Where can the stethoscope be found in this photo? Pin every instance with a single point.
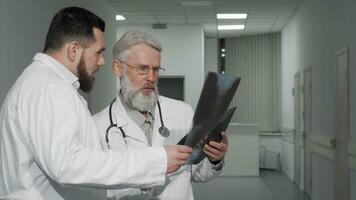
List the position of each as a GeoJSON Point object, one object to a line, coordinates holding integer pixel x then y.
{"type": "Point", "coordinates": [162, 130]}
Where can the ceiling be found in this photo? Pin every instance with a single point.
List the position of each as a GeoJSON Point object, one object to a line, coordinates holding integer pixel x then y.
{"type": "Point", "coordinates": [264, 16]}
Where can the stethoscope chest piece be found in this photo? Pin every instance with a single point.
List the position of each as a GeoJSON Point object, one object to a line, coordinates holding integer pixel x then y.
{"type": "Point", "coordinates": [163, 131]}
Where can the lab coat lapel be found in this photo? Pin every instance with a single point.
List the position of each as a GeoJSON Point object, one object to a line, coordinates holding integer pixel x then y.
{"type": "Point", "coordinates": [129, 126]}
{"type": "Point", "coordinates": [157, 138]}
{"type": "Point", "coordinates": [119, 114]}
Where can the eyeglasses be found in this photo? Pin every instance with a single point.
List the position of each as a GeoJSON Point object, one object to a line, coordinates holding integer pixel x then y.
{"type": "Point", "coordinates": [144, 69]}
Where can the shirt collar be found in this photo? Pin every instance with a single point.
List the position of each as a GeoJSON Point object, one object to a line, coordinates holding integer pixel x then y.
{"type": "Point", "coordinates": [58, 68]}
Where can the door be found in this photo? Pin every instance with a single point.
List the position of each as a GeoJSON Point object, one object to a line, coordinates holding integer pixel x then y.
{"type": "Point", "coordinates": [296, 93]}
{"type": "Point", "coordinates": [307, 130]}
{"type": "Point", "coordinates": [342, 126]}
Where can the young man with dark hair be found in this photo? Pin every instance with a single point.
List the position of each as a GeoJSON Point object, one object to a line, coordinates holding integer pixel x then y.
{"type": "Point", "coordinates": [49, 145]}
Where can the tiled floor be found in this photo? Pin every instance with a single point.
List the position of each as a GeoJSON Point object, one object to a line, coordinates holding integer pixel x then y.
{"type": "Point", "coordinates": [281, 187]}
{"type": "Point", "coordinates": [271, 185]}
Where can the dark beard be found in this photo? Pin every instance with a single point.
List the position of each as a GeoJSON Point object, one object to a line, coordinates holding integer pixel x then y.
{"type": "Point", "coordinates": [85, 80]}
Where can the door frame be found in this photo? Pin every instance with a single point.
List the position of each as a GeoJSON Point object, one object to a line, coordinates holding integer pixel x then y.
{"type": "Point", "coordinates": [341, 168]}
{"type": "Point", "coordinates": [307, 142]}
{"type": "Point", "coordinates": [297, 127]}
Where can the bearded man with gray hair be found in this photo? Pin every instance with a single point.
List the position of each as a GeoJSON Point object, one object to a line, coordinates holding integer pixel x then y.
{"type": "Point", "coordinates": [140, 118]}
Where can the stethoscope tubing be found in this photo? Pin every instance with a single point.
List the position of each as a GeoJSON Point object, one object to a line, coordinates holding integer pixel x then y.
{"type": "Point", "coordinates": [165, 133]}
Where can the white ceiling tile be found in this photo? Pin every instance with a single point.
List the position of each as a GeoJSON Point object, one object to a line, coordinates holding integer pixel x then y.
{"type": "Point", "coordinates": [262, 20]}
{"type": "Point", "coordinates": [263, 15]}
{"type": "Point", "coordinates": [258, 29]}
{"type": "Point", "coordinates": [230, 9]}
{"type": "Point", "coordinates": [199, 20]}
{"type": "Point", "coordinates": [138, 19]}
{"type": "Point", "coordinates": [259, 24]}
{"type": "Point", "coordinates": [172, 19]}
{"type": "Point", "coordinates": [201, 13]}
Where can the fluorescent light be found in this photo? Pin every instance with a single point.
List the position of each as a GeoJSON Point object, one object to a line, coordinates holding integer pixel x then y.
{"type": "Point", "coordinates": [232, 16]}
{"type": "Point", "coordinates": [196, 3]}
{"type": "Point", "coordinates": [231, 27]}
{"type": "Point", "coordinates": [120, 18]}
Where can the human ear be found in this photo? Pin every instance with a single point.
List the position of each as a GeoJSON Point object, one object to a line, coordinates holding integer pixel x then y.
{"type": "Point", "coordinates": [117, 68]}
{"type": "Point", "coordinates": [74, 51]}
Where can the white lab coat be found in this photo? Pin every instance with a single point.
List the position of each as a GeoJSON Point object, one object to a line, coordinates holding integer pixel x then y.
{"type": "Point", "coordinates": [50, 147]}
{"type": "Point", "coordinates": [177, 117]}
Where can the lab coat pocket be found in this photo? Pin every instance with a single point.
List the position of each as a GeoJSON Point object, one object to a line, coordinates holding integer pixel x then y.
{"type": "Point", "coordinates": [116, 141]}
{"type": "Point", "coordinates": [179, 186]}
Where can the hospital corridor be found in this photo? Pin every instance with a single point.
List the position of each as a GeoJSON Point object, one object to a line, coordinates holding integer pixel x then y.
{"type": "Point", "coordinates": [291, 137]}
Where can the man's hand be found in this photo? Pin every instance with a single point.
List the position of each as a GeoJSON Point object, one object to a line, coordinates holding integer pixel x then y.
{"type": "Point", "coordinates": [216, 151]}
{"type": "Point", "coordinates": [177, 156]}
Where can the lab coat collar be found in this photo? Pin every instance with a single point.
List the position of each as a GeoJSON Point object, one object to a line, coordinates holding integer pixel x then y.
{"type": "Point", "coordinates": [120, 117]}
{"type": "Point", "coordinates": [58, 68]}
{"type": "Point", "coordinates": [122, 120]}
{"type": "Point", "coordinates": [166, 111]}
{"type": "Point", "coordinates": [119, 113]}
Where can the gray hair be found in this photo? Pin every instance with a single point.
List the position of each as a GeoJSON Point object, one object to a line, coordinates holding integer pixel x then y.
{"type": "Point", "coordinates": [132, 38]}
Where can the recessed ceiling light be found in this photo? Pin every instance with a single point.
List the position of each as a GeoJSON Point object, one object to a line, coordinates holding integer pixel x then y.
{"type": "Point", "coordinates": [232, 16]}
{"type": "Point", "coordinates": [231, 27]}
{"type": "Point", "coordinates": [120, 18]}
{"type": "Point", "coordinates": [196, 3]}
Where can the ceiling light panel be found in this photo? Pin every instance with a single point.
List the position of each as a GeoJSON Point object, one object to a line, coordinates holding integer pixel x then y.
{"type": "Point", "coordinates": [120, 18]}
{"type": "Point", "coordinates": [231, 27]}
{"type": "Point", "coordinates": [231, 16]}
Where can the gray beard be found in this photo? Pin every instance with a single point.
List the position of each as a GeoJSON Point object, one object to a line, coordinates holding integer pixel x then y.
{"type": "Point", "coordinates": [135, 98]}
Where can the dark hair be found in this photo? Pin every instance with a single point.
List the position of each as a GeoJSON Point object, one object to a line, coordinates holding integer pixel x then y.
{"type": "Point", "coordinates": [72, 23]}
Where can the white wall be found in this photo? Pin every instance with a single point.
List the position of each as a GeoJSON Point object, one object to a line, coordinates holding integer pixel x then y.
{"type": "Point", "coordinates": [315, 33]}
{"type": "Point", "coordinates": [243, 155]}
{"type": "Point", "coordinates": [350, 31]}
{"type": "Point", "coordinates": [353, 183]}
{"type": "Point", "coordinates": [289, 65]}
{"type": "Point", "coordinates": [271, 142]}
{"type": "Point", "coordinates": [211, 54]}
{"type": "Point", "coordinates": [350, 13]}
{"type": "Point", "coordinates": [182, 55]}
{"type": "Point", "coordinates": [309, 39]}
{"type": "Point", "coordinates": [287, 157]}
{"type": "Point", "coordinates": [24, 25]}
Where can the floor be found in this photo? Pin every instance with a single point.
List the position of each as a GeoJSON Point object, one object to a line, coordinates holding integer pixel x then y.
{"type": "Point", "coordinates": [271, 185]}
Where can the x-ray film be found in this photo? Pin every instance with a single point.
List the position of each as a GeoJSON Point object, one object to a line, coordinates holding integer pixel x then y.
{"type": "Point", "coordinates": [216, 95]}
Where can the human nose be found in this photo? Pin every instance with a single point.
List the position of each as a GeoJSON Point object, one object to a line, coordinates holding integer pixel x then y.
{"type": "Point", "coordinates": [151, 75]}
{"type": "Point", "coordinates": [101, 60]}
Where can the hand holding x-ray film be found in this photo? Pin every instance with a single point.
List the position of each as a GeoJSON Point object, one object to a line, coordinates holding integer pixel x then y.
{"type": "Point", "coordinates": [210, 115]}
